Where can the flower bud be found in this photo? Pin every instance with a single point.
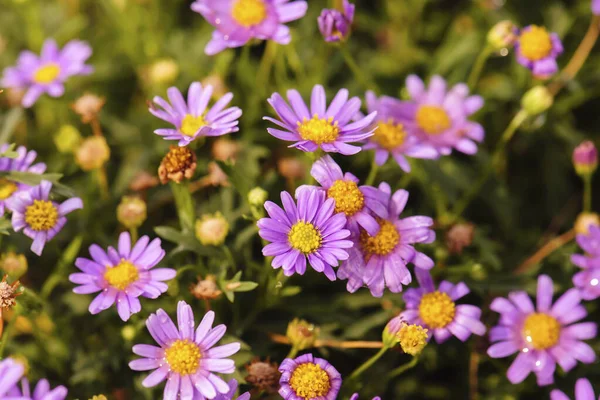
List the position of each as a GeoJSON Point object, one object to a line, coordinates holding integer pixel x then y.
{"type": "Point", "coordinates": [163, 71]}
{"type": "Point", "coordinates": [92, 153]}
{"type": "Point", "coordinates": [206, 289]}
{"type": "Point", "coordinates": [131, 212]}
{"type": "Point", "coordinates": [502, 35]}
{"type": "Point", "coordinates": [302, 335]}
{"type": "Point", "coordinates": [67, 139]}
{"type": "Point", "coordinates": [459, 236]}
{"type": "Point", "coordinates": [212, 229]}
{"type": "Point", "coordinates": [585, 158]}
{"type": "Point", "coordinates": [128, 333]}
{"type": "Point", "coordinates": [537, 100]}
{"type": "Point", "coordinates": [413, 338]}
{"type": "Point", "coordinates": [584, 221]}
{"type": "Point", "coordinates": [335, 24]}
{"type": "Point", "coordinates": [99, 397]}
{"type": "Point", "coordinates": [179, 163]}
{"type": "Point", "coordinates": [389, 337]}
{"type": "Point", "coordinates": [257, 196]}
{"type": "Point", "coordinates": [88, 106]}
{"type": "Point", "coordinates": [13, 264]}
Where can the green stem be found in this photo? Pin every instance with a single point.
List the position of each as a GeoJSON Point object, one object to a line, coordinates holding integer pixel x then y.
{"type": "Point", "coordinates": [365, 80]}
{"type": "Point", "coordinates": [229, 256]}
{"type": "Point", "coordinates": [184, 204]}
{"type": "Point", "coordinates": [463, 203]}
{"type": "Point", "coordinates": [292, 353]}
{"type": "Point", "coordinates": [478, 66]}
{"type": "Point", "coordinates": [367, 364]}
{"type": "Point", "coordinates": [403, 368]}
{"type": "Point", "coordinates": [266, 65]}
{"type": "Point", "coordinates": [372, 173]}
{"type": "Point", "coordinates": [133, 232]}
{"type": "Point", "coordinates": [9, 329]}
{"type": "Point", "coordinates": [587, 193]}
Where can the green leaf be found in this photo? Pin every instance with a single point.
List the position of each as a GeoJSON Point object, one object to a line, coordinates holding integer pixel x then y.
{"type": "Point", "coordinates": [10, 151]}
{"type": "Point", "coordinates": [32, 179]}
{"type": "Point", "coordinates": [289, 291]}
{"type": "Point", "coordinates": [184, 204]}
{"type": "Point", "coordinates": [245, 286]}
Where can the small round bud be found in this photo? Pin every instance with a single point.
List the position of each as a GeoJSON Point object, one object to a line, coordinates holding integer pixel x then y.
{"type": "Point", "coordinates": [459, 236]}
{"type": "Point", "coordinates": [413, 338]}
{"type": "Point", "coordinates": [67, 139]}
{"type": "Point", "coordinates": [502, 35]}
{"type": "Point", "coordinates": [14, 265]}
{"type": "Point", "coordinates": [585, 158]}
{"type": "Point", "coordinates": [206, 289]}
{"type": "Point", "coordinates": [302, 335]}
{"type": "Point", "coordinates": [92, 153]}
{"type": "Point", "coordinates": [88, 107]}
{"type": "Point", "coordinates": [131, 212]}
{"type": "Point", "coordinates": [584, 221]}
{"type": "Point", "coordinates": [128, 333]}
{"type": "Point", "coordinates": [179, 163]}
{"type": "Point", "coordinates": [163, 71]}
{"type": "Point", "coordinates": [212, 229]}
{"type": "Point", "coordinates": [263, 375]}
{"type": "Point", "coordinates": [537, 100]}
{"type": "Point", "coordinates": [257, 196]}
{"type": "Point", "coordinates": [225, 149]}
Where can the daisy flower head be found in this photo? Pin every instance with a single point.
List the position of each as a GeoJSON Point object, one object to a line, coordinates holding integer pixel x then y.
{"type": "Point", "coordinates": [24, 162]}
{"type": "Point", "coordinates": [40, 218]}
{"type": "Point", "coordinates": [10, 373]}
{"type": "Point", "coordinates": [327, 128]}
{"type": "Point", "coordinates": [47, 72]}
{"type": "Point", "coordinates": [583, 391]}
{"type": "Point", "coordinates": [360, 204]}
{"type": "Point", "coordinates": [381, 261]}
{"type": "Point", "coordinates": [236, 22]}
{"type": "Point", "coordinates": [439, 117]}
{"type": "Point", "coordinates": [392, 136]}
{"type": "Point", "coordinates": [122, 275]}
{"type": "Point", "coordinates": [588, 280]}
{"type": "Point", "coordinates": [42, 391]}
{"type": "Point", "coordinates": [310, 230]}
{"type": "Point", "coordinates": [543, 335]}
{"type": "Point", "coordinates": [307, 377]}
{"type": "Point", "coordinates": [335, 24]}
{"type": "Point", "coordinates": [436, 309]}
{"type": "Point", "coordinates": [194, 119]}
{"type": "Point", "coordinates": [537, 49]}
{"type": "Point", "coordinates": [187, 359]}
{"type": "Point", "coordinates": [233, 386]}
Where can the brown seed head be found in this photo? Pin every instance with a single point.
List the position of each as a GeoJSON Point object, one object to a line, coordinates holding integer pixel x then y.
{"type": "Point", "coordinates": [179, 163]}
{"type": "Point", "coordinates": [263, 375]}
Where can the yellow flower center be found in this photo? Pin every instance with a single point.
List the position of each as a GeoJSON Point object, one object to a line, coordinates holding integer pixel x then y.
{"type": "Point", "coordinates": [310, 381]}
{"type": "Point", "coordinates": [389, 135]}
{"type": "Point", "coordinates": [190, 124]}
{"type": "Point", "coordinates": [183, 357]}
{"type": "Point", "coordinates": [413, 338]}
{"type": "Point", "coordinates": [381, 244]}
{"type": "Point", "coordinates": [249, 12]}
{"type": "Point", "coordinates": [41, 215]}
{"type": "Point", "coordinates": [7, 188]}
{"type": "Point", "coordinates": [121, 275]}
{"type": "Point", "coordinates": [348, 197]}
{"type": "Point", "coordinates": [541, 331]}
{"type": "Point", "coordinates": [535, 43]}
{"type": "Point", "coordinates": [47, 73]}
{"type": "Point", "coordinates": [304, 237]}
{"type": "Point", "coordinates": [433, 119]}
{"type": "Point", "coordinates": [319, 130]}
{"type": "Point", "coordinates": [436, 309]}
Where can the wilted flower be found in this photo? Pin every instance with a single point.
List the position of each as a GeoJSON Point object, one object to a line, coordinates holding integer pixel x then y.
{"type": "Point", "coordinates": [40, 218]}
{"type": "Point", "coordinates": [92, 153]}
{"type": "Point", "coordinates": [583, 387]}
{"type": "Point", "coordinates": [88, 107]}
{"type": "Point", "coordinates": [334, 24]}
{"type": "Point", "coordinates": [11, 372]}
{"type": "Point", "coordinates": [122, 275]}
{"type": "Point", "coordinates": [584, 221]}
{"type": "Point", "coordinates": [206, 288]}
{"type": "Point", "coordinates": [67, 139]}
{"type": "Point", "coordinates": [212, 229]}
{"type": "Point", "coordinates": [412, 338]}
{"type": "Point", "coordinates": [544, 335]}
{"type": "Point", "coordinates": [309, 230]}
{"type": "Point", "coordinates": [263, 375]}
{"type": "Point", "coordinates": [257, 196]}
{"type": "Point", "coordinates": [8, 293]}
{"type": "Point", "coordinates": [537, 100]}
{"type": "Point", "coordinates": [588, 280]}
{"type": "Point", "coordinates": [236, 22]}
{"type": "Point", "coordinates": [308, 377]}
{"type": "Point", "coordinates": [291, 168]}
{"type": "Point", "coordinates": [225, 149]}
{"type": "Point", "coordinates": [186, 359]}
{"type": "Point", "coordinates": [131, 212]}
{"type": "Point", "coordinates": [459, 236]}
{"type": "Point", "coordinates": [326, 128]}
{"type": "Point", "coordinates": [194, 119]}
{"type": "Point", "coordinates": [42, 391]}
{"type": "Point", "coordinates": [585, 158]}
{"type": "Point", "coordinates": [502, 35]}
{"type": "Point", "coordinates": [143, 180]}
{"type": "Point", "coordinates": [162, 71]}
{"type": "Point", "coordinates": [537, 49]}
{"type": "Point", "coordinates": [13, 264]}
{"type": "Point", "coordinates": [302, 335]}
{"type": "Point", "coordinates": [179, 163]}
{"type": "Point", "coordinates": [48, 72]}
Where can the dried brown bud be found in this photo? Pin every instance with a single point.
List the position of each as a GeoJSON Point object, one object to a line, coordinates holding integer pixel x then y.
{"type": "Point", "coordinates": [143, 181]}
{"type": "Point", "coordinates": [224, 149]}
{"type": "Point", "coordinates": [459, 236]}
{"type": "Point", "coordinates": [206, 289]}
{"type": "Point", "coordinates": [88, 106]}
{"type": "Point", "coordinates": [263, 375]}
{"type": "Point", "coordinates": [179, 163]}
{"type": "Point", "coordinates": [291, 168]}
{"type": "Point", "coordinates": [8, 293]}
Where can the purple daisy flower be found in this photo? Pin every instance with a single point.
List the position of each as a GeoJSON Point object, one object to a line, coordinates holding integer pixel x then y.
{"type": "Point", "coordinates": [355, 397]}
{"type": "Point", "coordinates": [42, 391]}
{"type": "Point", "coordinates": [588, 280]}
{"type": "Point", "coordinates": [186, 359]}
{"type": "Point", "coordinates": [439, 117]}
{"type": "Point", "coordinates": [10, 373]}
{"type": "Point", "coordinates": [239, 21]}
{"type": "Point", "coordinates": [328, 128]}
{"type": "Point", "coordinates": [233, 385]}
{"type": "Point", "coordinates": [358, 203]}
{"type": "Point", "coordinates": [537, 49]}
{"type": "Point", "coordinates": [310, 231]}
{"type": "Point", "coordinates": [436, 309]}
{"type": "Point", "coordinates": [544, 335]}
{"type": "Point", "coordinates": [40, 218]}
{"type": "Point", "coordinates": [596, 7]}
{"type": "Point", "coordinates": [122, 275]}
{"type": "Point", "coordinates": [379, 261]}
{"type": "Point", "coordinates": [583, 391]}
{"type": "Point", "coordinates": [48, 72]}
{"type": "Point", "coordinates": [334, 24]}
{"type": "Point", "coordinates": [391, 136]}
{"type": "Point", "coordinates": [193, 119]}
{"type": "Point", "coordinates": [22, 163]}
{"type": "Point", "coordinates": [308, 377]}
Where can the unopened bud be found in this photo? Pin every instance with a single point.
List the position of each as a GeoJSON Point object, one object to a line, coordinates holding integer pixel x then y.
{"type": "Point", "coordinates": [14, 265]}
{"type": "Point", "coordinates": [212, 229]}
{"type": "Point", "coordinates": [537, 100]}
{"type": "Point", "coordinates": [67, 139]}
{"type": "Point", "coordinates": [585, 158]}
{"type": "Point", "coordinates": [92, 153]}
{"type": "Point", "coordinates": [257, 196]}
{"type": "Point", "coordinates": [502, 35]}
{"type": "Point", "coordinates": [163, 71]}
{"type": "Point", "coordinates": [128, 333]}
{"type": "Point", "coordinates": [389, 337]}
{"type": "Point", "coordinates": [131, 212]}
{"type": "Point", "coordinates": [584, 221]}
{"type": "Point", "coordinates": [302, 335]}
